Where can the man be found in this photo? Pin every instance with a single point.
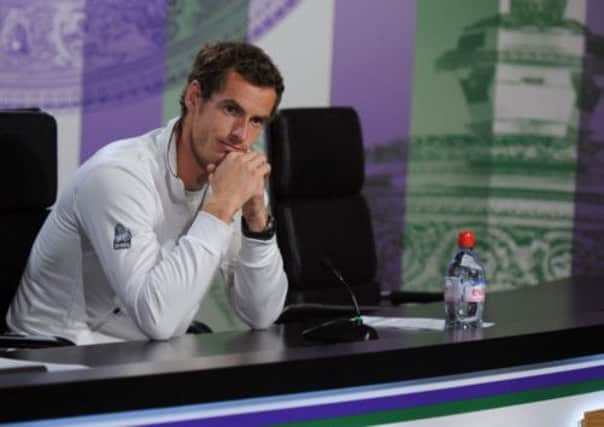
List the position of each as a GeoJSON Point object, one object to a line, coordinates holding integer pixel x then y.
{"type": "Point", "coordinates": [133, 243]}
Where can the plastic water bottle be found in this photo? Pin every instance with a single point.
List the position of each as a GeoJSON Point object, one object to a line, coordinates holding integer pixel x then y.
{"type": "Point", "coordinates": [465, 285]}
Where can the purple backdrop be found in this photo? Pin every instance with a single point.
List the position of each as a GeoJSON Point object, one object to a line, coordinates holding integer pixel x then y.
{"type": "Point", "coordinates": [588, 234]}
{"type": "Point", "coordinates": [373, 47]}
{"type": "Point", "coordinates": [124, 51]}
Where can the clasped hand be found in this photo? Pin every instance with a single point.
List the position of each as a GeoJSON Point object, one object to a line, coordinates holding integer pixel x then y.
{"type": "Point", "coordinates": [238, 183]}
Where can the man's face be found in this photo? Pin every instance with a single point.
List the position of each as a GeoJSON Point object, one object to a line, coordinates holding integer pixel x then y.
{"type": "Point", "coordinates": [230, 120]}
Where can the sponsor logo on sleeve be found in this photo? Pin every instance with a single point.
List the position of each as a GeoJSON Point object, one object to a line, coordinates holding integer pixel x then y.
{"type": "Point", "coordinates": [122, 237]}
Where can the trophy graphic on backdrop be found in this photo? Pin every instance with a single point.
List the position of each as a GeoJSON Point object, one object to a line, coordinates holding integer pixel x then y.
{"type": "Point", "coordinates": [522, 72]}
{"type": "Point", "coordinates": [528, 79]}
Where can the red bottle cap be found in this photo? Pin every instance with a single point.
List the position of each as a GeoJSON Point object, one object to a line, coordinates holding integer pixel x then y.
{"type": "Point", "coordinates": [465, 239]}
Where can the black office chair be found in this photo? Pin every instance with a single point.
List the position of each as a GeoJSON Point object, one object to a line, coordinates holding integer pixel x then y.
{"type": "Point", "coordinates": [323, 220]}
{"type": "Point", "coordinates": [28, 187]}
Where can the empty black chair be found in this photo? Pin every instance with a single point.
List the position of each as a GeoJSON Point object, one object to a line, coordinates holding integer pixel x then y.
{"type": "Point", "coordinates": [318, 171]}
{"type": "Point", "coordinates": [28, 188]}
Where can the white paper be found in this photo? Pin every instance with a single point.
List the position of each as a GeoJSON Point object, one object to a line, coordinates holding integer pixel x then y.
{"type": "Point", "coordinates": [413, 323]}
{"type": "Point", "coordinates": [9, 364]}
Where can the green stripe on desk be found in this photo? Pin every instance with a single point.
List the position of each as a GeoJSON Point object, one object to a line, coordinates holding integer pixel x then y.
{"type": "Point", "coordinates": [458, 407]}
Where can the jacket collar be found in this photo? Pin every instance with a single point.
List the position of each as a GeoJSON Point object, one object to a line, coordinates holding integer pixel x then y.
{"type": "Point", "coordinates": [167, 139]}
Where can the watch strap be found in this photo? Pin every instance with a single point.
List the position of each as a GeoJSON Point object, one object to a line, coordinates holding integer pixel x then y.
{"type": "Point", "coordinates": [266, 234]}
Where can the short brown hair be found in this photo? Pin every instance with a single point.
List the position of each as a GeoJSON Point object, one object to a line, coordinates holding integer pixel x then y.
{"type": "Point", "coordinates": [214, 61]}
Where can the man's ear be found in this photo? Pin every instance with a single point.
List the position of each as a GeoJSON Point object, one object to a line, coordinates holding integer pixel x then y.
{"type": "Point", "coordinates": [192, 95]}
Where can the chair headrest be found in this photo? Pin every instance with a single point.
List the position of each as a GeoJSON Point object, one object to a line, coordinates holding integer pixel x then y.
{"type": "Point", "coordinates": [315, 152]}
{"type": "Point", "coordinates": [28, 164]}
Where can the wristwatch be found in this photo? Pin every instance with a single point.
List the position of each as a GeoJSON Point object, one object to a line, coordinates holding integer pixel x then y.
{"type": "Point", "coordinates": [266, 234]}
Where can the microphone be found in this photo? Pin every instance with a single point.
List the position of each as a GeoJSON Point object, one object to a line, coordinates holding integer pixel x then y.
{"type": "Point", "coordinates": [341, 330]}
{"type": "Point", "coordinates": [326, 262]}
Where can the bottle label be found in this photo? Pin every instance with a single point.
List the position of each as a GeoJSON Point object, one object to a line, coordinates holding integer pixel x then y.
{"type": "Point", "coordinates": [476, 292]}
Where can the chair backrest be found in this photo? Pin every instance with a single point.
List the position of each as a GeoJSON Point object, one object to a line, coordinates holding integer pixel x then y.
{"type": "Point", "coordinates": [28, 187]}
{"type": "Point", "coordinates": [317, 161]}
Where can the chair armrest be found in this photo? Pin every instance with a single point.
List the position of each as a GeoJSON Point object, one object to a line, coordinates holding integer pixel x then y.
{"type": "Point", "coordinates": [197, 327]}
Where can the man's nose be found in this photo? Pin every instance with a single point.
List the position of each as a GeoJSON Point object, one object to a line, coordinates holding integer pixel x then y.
{"type": "Point", "coordinates": [239, 131]}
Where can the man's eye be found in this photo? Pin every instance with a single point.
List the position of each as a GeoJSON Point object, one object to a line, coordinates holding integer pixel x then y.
{"type": "Point", "coordinates": [258, 122]}
{"type": "Point", "coordinates": [230, 109]}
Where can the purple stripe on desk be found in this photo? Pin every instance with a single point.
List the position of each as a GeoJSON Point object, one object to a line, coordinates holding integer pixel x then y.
{"type": "Point", "coordinates": [403, 401]}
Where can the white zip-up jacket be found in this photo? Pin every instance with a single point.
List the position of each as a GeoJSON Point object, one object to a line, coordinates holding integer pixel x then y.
{"type": "Point", "coordinates": [127, 254]}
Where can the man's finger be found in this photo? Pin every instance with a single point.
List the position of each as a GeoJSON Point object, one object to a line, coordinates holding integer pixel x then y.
{"type": "Point", "coordinates": [210, 168]}
{"type": "Point", "coordinates": [258, 160]}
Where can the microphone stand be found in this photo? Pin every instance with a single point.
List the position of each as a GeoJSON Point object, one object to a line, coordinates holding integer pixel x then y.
{"type": "Point", "coordinates": [329, 266]}
{"type": "Point", "coordinates": [341, 330]}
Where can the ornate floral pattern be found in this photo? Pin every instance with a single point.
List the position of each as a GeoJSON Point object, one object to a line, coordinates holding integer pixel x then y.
{"type": "Point", "coordinates": [65, 53]}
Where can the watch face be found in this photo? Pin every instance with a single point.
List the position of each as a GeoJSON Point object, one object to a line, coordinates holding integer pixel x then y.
{"type": "Point", "coordinates": [270, 224]}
